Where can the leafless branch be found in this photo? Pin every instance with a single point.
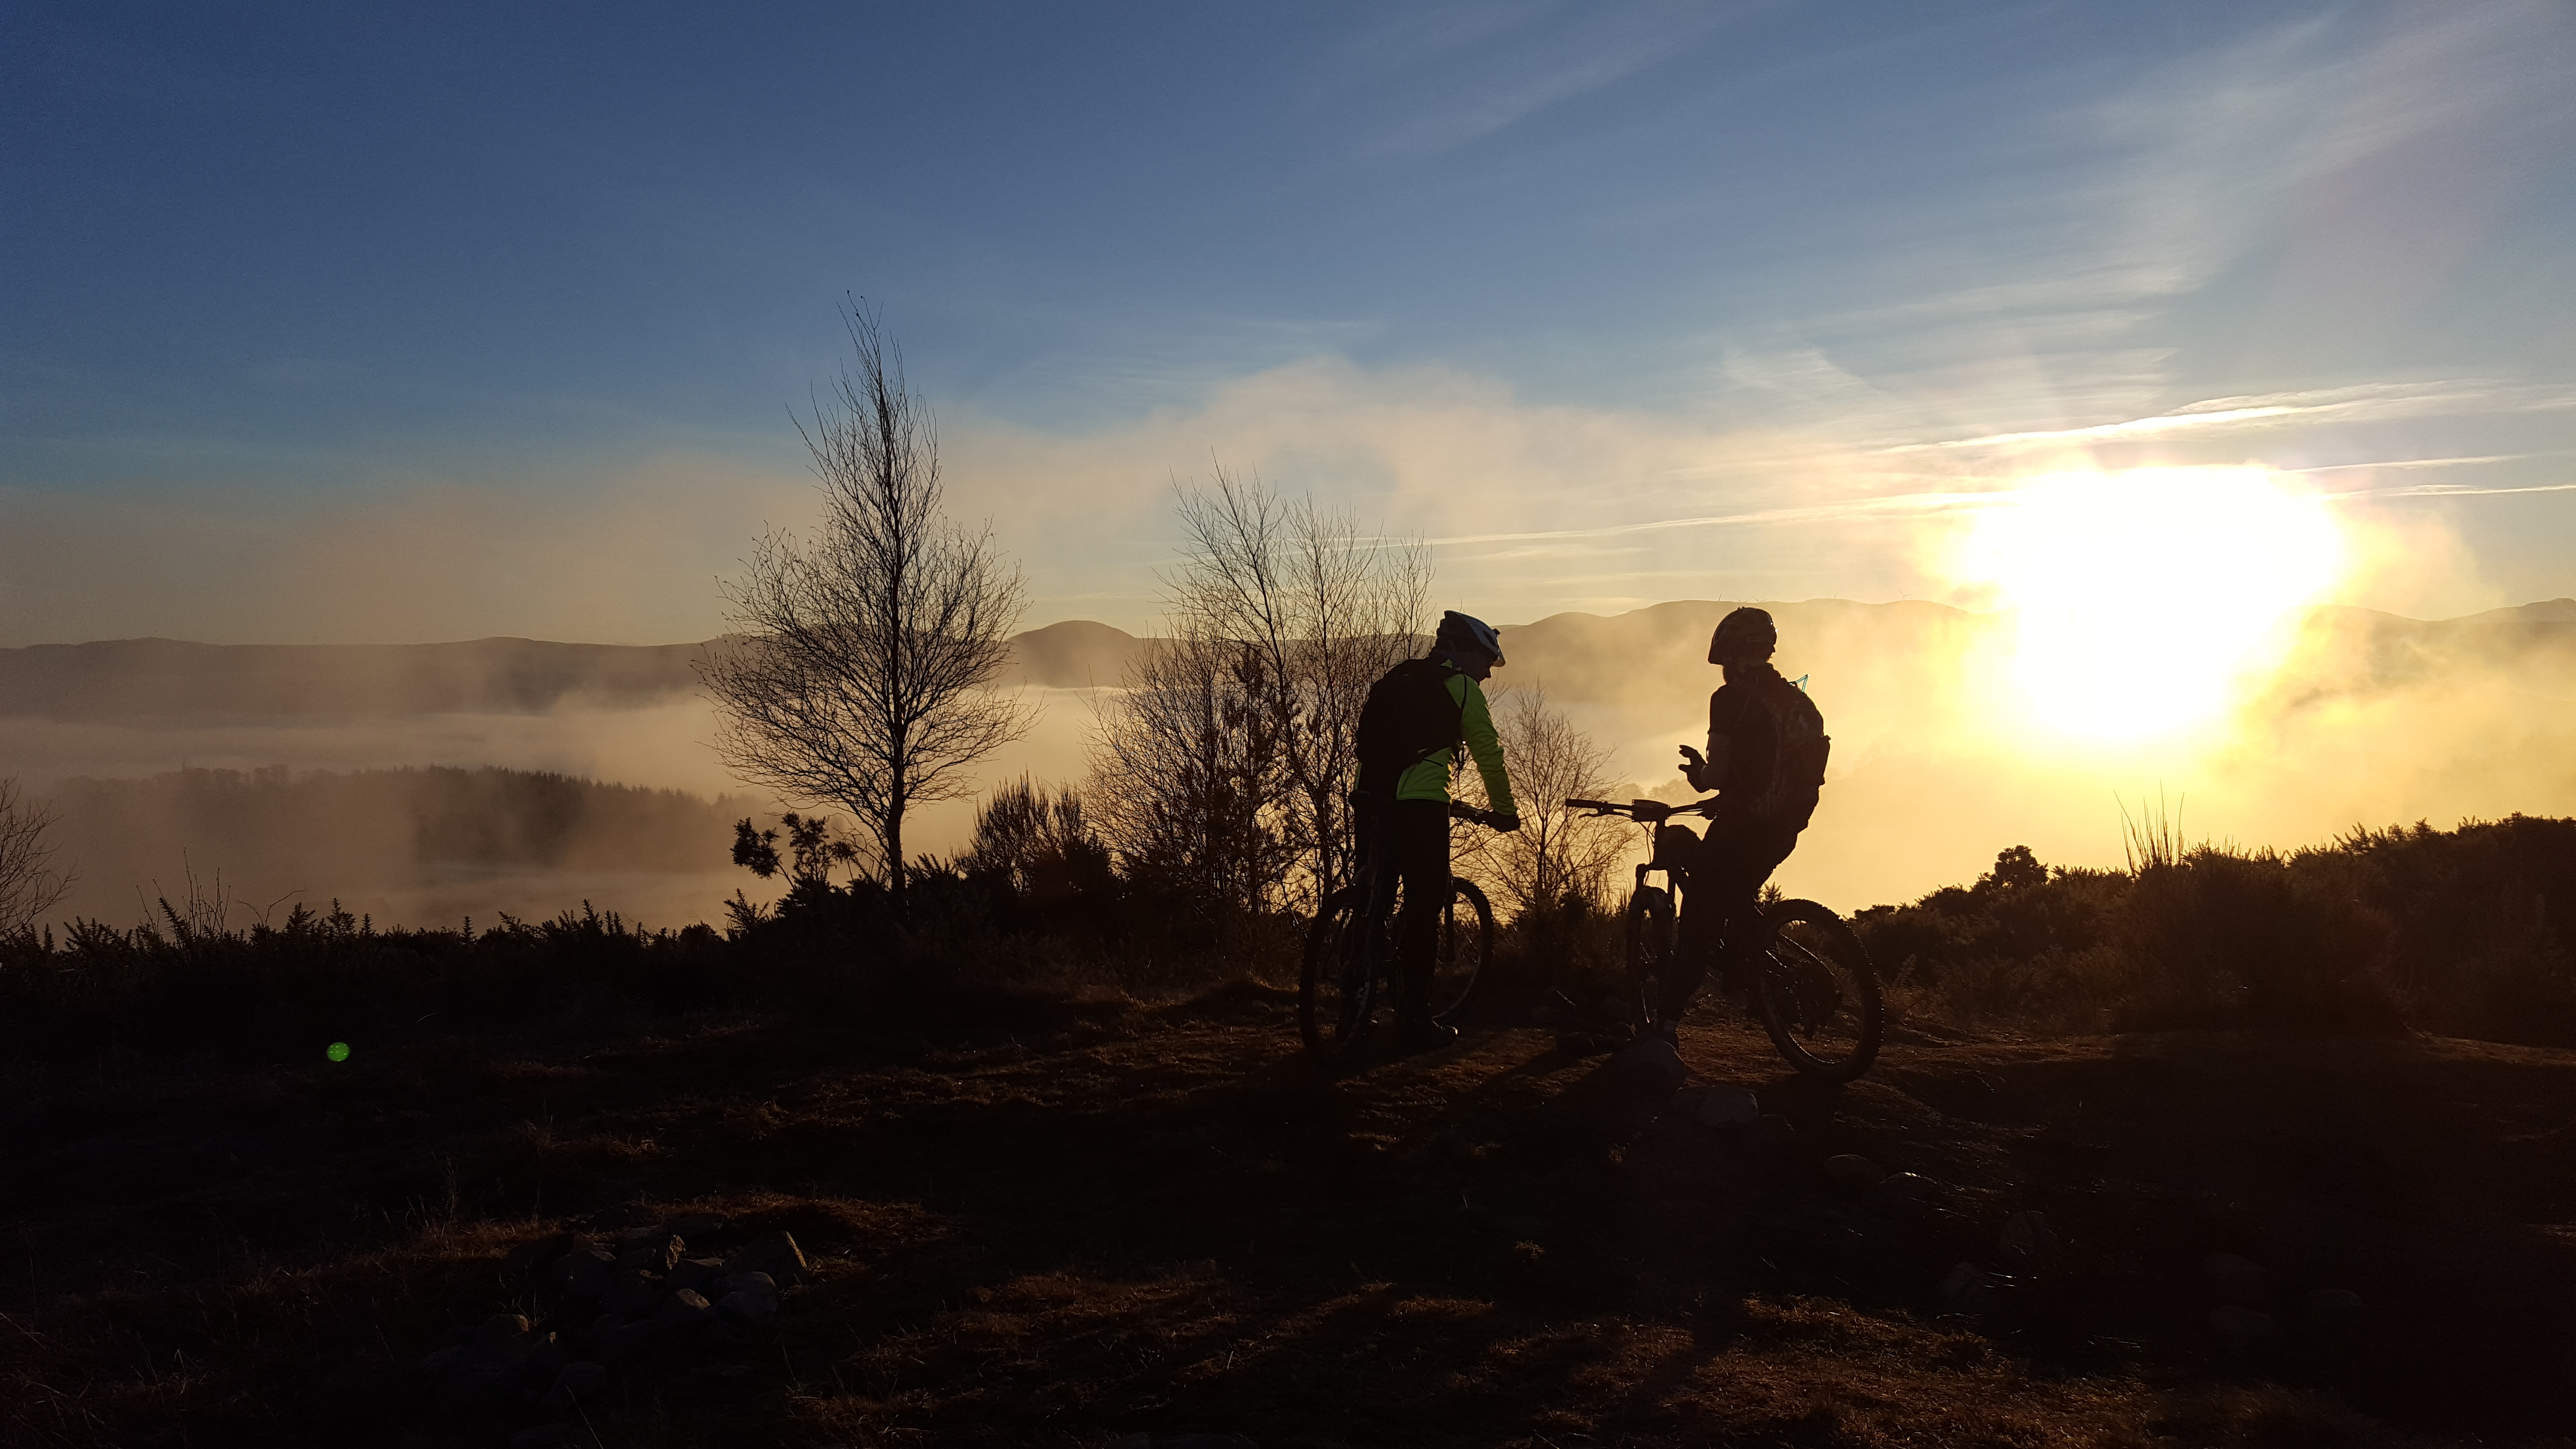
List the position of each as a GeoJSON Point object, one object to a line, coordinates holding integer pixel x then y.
{"type": "Point", "coordinates": [858, 661]}
{"type": "Point", "coordinates": [29, 884]}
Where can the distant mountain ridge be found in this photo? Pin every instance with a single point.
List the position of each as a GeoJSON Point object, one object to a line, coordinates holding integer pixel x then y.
{"type": "Point", "coordinates": [1578, 656]}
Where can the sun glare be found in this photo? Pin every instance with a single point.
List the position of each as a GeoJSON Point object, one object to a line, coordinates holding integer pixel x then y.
{"type": "Point", "coordinates": [2149, 602]}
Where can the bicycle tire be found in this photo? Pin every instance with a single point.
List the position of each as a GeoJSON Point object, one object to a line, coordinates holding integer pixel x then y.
{"type": "Point", "coordinates": [1815, 992]}
{"type": "Point", "coordinates": [1466, 948]}
{"type": "Point", "coordinates": [1652, 941]}
{"type": "Point", "coordinates": [1336, 983]}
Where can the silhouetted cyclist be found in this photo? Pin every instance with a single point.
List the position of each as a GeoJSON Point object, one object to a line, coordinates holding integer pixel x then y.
{"type": "Point", "coordinates": [1417, 717]}
{"type": "Point", "coordinates": [1766, 761]}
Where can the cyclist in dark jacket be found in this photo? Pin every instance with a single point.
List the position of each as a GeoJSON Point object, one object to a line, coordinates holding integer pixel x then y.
{"type": "Point", "coordinates": [1419, 717]}
{"type": "Point", "coordinates": [1766, 761]}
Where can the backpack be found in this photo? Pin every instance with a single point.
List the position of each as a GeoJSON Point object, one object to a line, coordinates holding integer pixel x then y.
{"type": "Point", "coordinates": [1409, 717]}
{"type": "Point", "coordinates": [1798, 769]}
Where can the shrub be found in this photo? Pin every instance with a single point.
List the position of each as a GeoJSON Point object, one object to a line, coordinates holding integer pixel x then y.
{"type": "Point", "coordinates": [2462, 932]}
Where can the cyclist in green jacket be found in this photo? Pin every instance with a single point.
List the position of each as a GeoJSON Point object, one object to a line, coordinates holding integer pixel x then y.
{"type": "Point", "coordinates": [1411, 734]}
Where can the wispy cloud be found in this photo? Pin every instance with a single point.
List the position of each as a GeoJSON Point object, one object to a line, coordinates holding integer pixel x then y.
{"type": "Point", "coordinates": [2373, 403]}
{"type": "Point", "coordinates": [1505, 64]}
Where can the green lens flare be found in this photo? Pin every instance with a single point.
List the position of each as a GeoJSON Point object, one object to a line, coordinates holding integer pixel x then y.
{"type": "Point", "coordinates": [337, 1051]}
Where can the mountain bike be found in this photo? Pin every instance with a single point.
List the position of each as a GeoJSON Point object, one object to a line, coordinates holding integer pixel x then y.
{"type": "Point", "coordinates": [1812, 986]}
{"type": "Point", "coordinates": [1350, 960]}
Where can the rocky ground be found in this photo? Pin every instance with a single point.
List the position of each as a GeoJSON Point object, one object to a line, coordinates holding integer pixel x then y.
{"type": "Point", "coordinates": [1115, 1224]}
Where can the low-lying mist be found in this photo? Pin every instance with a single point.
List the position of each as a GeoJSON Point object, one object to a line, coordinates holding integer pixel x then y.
{"type": "Point", "coordinates": [410, 845]}
{"type": "Point", "coordinates": [1938, 763]}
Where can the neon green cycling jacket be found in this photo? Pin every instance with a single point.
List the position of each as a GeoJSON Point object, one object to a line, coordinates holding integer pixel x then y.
{"type": "Point", "coordinates": [1428, 777]}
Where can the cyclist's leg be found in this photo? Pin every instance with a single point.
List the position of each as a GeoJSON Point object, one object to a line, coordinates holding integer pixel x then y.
{"type": "Point", "coordinates": [1416, 845]}
{"type": "Point", "coordinates": [1739, 854]}
{"type": "Point", "coordinates": [1370, 866]}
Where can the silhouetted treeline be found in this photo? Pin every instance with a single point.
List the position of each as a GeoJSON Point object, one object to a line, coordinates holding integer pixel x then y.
{"type": "Point", "coordinates": [338, 832]}
{"type": "Point", "coordinates": [2467, 932]}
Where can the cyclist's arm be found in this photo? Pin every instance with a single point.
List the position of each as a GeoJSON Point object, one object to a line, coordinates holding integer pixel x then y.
{"type": "Point", "coordinates": [1711, 772]}
{"type": "Point", "coordinates": [1477, 724]}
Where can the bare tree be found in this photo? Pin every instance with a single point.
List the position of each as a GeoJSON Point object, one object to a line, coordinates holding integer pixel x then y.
{"type": "Point", "coordinates": [1187, 775]}
{"type": "Point", "coordinates": [29, 884]}
{"type": "Point", "coordinates": [1557, 853]}
{"type": "Point", "coordinates": [858, 663]}
{"type": "Point", "coordinates": [1318, 610]}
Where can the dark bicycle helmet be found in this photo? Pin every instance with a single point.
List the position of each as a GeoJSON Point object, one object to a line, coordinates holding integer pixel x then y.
{"type": "Point", "coordinates": [1462, 631]}
{"type": "Point", "coordinates": [1747, 633]}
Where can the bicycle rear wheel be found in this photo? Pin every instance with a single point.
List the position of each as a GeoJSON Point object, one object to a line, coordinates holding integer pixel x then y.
{"type": "Point", "coordinates": [1466, 945]}
{"type": "Point", "coordinates": [1337, 986]}
{"type": "Point", "coordinates": [1815, 992]}
{"type": "Point", "coordinates": [1652, 947]}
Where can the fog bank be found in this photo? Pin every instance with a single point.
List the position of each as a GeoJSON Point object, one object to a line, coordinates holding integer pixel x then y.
{"type": "Point", "coordinates": [2372, 720]}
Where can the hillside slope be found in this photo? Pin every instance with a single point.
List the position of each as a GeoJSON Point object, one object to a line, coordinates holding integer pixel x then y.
{"type": "Point", "coordinates": [1130, 1219]}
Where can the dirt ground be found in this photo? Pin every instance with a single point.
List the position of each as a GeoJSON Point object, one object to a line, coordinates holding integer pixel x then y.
{"type": "Point", "coordinates": [1112, 1219]}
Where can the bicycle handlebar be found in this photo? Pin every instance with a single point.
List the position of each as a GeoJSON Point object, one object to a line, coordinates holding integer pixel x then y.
{"type": "Point", "coordinates": [1644, 812]}
{"type": "Point", "coordinates": [1487, 818]}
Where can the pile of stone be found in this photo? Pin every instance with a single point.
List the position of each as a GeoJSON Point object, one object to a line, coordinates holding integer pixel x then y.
{"type": "Point", "coordinates": [612, 1304]}
{"type": "Point", "coordinates": [2247, 1326]}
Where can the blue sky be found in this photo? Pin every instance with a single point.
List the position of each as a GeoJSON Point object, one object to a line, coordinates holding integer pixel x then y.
{"type": "Point", "coordinates": [316, 324]}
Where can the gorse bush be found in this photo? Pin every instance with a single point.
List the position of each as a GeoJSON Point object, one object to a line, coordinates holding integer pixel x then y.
{"type": "Point", "coordinates": [2461, 932]}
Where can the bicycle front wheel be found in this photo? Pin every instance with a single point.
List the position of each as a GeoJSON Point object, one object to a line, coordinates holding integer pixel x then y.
{"type": "Point", "coordinates": [1466, 945]}
{"type": "Point", "coordinates": [1652, 949]}
{"type": "Point", "coordinates": [1815, 992]}
{"type": "Point", "coordinates": [1337, 987]}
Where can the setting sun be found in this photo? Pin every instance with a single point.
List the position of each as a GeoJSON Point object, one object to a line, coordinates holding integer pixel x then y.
{"type": "Point", "coordinates": [2148, 602]}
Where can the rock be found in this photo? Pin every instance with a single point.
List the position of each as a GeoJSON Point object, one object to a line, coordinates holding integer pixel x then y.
{"type": "Point", "coordinates": [736, 1282]}
{"type": "Point", "coordinates": [706, 1275]}
{"type": "Point", "coordinates": [659, 1255]}
{"type": "Point", "coordinates": [2330, 1314]}
{"type": "Point", "coordinates": [775, 1254]}
{"type": "Point", "coordinates": [1717, 1106]}
{"type": "Point", "coordinates": [1652, 1067]}
{"type": "Point", "coordinates": [752, 1305]}
{"type": "Point", "coordinates": [2029, 1243]}
{"type": "Point", "coordinates": [696, 1225]}
{"type": "Point", "coordinates": [682, 1312]}
{"type": "Point", "coordinates": [1135, 1441]}
{"type": "Point", "coordinates": [2231, 1279]}
{"type": "Point", "coordinates": [1768, 1131]}
{"type": "Point", "coordinates": [539, 1436]}
{"type": "Point", "coordinates": [2242, 1335]}
{"type": "Point", "coordinates": [528, 1260]}
{"type": "Point", "coordinates": [1900, 1192]}
{"type": "Point", "coordinates": [1967, 1289]}
{"type": "Point", "coordinates": [1205, 1441]}
{"type": "Point", "coordinates": [573, 1383]}
{"type": "Point", "coordinates": [1851, 1172]}
{"type": "Point", "coordinates": [442, 1361]}
{"type": "Point", "coordinates": [1580, 1044]}
{"type": "Point", "coordinates": [586, 1273]}
{"type": "Point", "coordinates": [635, 1292]}
{"type": "Point", "coordinates": [626, 1342]}
{"type": "Point", "coordinates": [721, 1336]}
